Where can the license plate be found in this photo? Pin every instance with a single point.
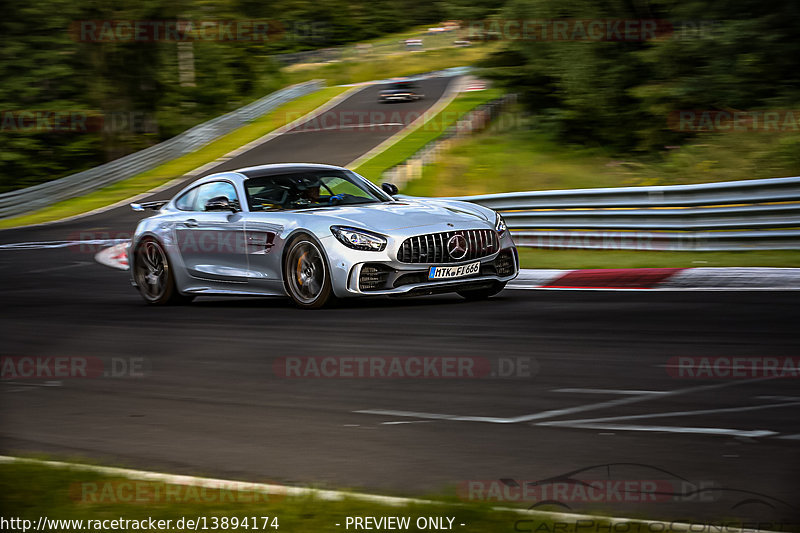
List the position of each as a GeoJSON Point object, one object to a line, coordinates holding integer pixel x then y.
{"type": "Point", "coordinates": [445, 272]}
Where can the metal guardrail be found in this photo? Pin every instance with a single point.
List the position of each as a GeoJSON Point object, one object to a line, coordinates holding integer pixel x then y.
{"type": "Point", "coordinates": [761, 214]}
{"type": "Point", "coordinates": [32, 198]}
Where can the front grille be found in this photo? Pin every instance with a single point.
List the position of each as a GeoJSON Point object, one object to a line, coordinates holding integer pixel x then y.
{"type": "Point", "coordinates": [373, 277]}
{"type": "Point", "coordinates": [432, 248]}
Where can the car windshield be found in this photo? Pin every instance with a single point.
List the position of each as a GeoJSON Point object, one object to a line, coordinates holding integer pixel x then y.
{"type": "Point", "coordinates": [311, 189]}
{"type": "Point", "coordinates": [402, 86]}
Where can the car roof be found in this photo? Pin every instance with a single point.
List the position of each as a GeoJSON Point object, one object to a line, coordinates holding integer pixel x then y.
{"type": "Point", "coordinates": [280, 168]}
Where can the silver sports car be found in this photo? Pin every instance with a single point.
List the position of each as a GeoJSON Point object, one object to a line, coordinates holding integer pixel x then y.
{"type": "Point", "coordinates": [315, 233]}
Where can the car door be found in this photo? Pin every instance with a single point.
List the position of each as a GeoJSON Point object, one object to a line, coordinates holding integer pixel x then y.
{"type": "Point", "coordinates": [212, 242]}
{"type": "Point", "coordinates": [264, 253]}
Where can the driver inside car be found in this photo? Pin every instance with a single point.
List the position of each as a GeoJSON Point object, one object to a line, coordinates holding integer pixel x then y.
{"type": "Point", "coordinates": [312, 194]}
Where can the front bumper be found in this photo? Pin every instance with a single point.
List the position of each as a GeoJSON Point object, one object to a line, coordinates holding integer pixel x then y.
{"type": "Point", "coordinates": [378, 278]}
{"type": "Point", "coordinates": [399, 98]}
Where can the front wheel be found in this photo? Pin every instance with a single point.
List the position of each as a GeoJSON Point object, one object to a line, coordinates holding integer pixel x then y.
{"type": "Point", "coordinates": [482, 294]}
{"type": "Point", "coordinates": [153, 275]}
{"type": "Point", "coordinates": [306, 274]}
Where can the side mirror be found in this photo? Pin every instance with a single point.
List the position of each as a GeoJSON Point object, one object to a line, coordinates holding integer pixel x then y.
{"type": "Point", "coordinates": [389, 188]}
{"type": "Point", "coordinates": [221, 203]}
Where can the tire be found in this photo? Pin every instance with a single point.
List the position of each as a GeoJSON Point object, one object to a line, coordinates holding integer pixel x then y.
{"type": "Point", "coordinates": [482, 294]}
{"type": "Point", "coordinates": [306, 275]}
{"type": "Point", "coordinates": [153, 275]}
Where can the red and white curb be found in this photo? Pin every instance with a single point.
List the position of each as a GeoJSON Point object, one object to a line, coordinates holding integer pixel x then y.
{"type": "Point", "coordinates": [114, 256]}
{"type": "Point", "coordinates": [336, 495]}
{"type": "Point", "coordinates": [675, 279]}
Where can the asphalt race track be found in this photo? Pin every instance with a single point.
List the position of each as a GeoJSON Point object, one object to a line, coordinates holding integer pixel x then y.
{"type": "Point", "coordinates": [600, 386]}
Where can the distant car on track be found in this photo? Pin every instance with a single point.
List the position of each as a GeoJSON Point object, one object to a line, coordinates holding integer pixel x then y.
{"type": "Point", "coordinates": [315, 233]}
{"type": "Point", "coordinates": [401, 91]}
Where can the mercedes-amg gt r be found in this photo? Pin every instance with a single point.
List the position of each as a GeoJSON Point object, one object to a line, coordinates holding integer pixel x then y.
{"type": "Point", "coordinates": [315, 233]}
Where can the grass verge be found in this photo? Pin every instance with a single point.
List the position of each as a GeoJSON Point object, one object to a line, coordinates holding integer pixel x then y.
{"type": "Point", "coordinates": [432, 128]}
{"type": "Point", "coordinates": [514, 156]}
{"type": "Point", "coordinates": [389, 66]}
{"type": "Point", "coordinates": [145, 181]}
{"type": "Point", "coordinates": [32, 491]}
{"type": "Point", "coordinates": [573, 259]}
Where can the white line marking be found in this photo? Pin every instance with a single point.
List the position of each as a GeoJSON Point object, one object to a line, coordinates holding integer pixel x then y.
{"type": "Point", "coordinates": [675, 429]}
{"type": "Point", "coordinates": [343, 127]}
{"type": "Point", "coordinates": [335, 495]}
{"type": "Point", "coordinates": [796, 436]}
{"type": "Point", "coordinates": [780, 398]}
{"type": "Point", "coordinates": [669, 429]}
{"type": "Point", "coordinates": [436, 416]}
{"type": "Point", "coordinates": [610, 391]}
{"type": "Point", "coordinates": [671, 414]}
{"type": "Point", "coordinates": [23, 384]}
{"type": "Point", "coordinates": [557, 412]}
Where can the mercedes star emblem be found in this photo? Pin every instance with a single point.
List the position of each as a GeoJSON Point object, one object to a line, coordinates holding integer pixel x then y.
{"type": "Point", "coordinates": [457, 247]}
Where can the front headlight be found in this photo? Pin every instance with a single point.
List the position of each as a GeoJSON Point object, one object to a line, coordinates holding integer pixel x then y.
{"type": "Point", "coordinates": [359, 239]}
{"type": "Point", "coordinates": [500, 225]}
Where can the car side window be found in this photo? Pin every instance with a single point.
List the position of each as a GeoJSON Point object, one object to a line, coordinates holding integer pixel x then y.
{"type": "Point", "coordinates": [186, 201]}
{"type": "Point", "coordinates": [214, 189]}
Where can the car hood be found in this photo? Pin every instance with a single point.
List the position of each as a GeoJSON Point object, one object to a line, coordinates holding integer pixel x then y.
{"type": "Point", "coordinates": [407, 213]}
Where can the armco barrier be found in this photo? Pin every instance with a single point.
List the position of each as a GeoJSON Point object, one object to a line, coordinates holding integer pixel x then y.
{"type": "Point", "coordinates": [32, 198]}
{"type": "Point", "coordinates": [761, 214]}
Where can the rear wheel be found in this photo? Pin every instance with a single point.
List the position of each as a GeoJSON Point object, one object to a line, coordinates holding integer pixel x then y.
{"type": "Point", "coordinates": [306, 274]}
{"type": "Point", "coordinates": [482, 294]}
{"type": "Point", "coordinates": [153, 275]}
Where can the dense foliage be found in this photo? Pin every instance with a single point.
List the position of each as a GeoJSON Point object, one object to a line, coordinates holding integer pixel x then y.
{"type": "Point", "coordinates": [731, 55]}
{"type": "Point", "coordinates": [137, 86]}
